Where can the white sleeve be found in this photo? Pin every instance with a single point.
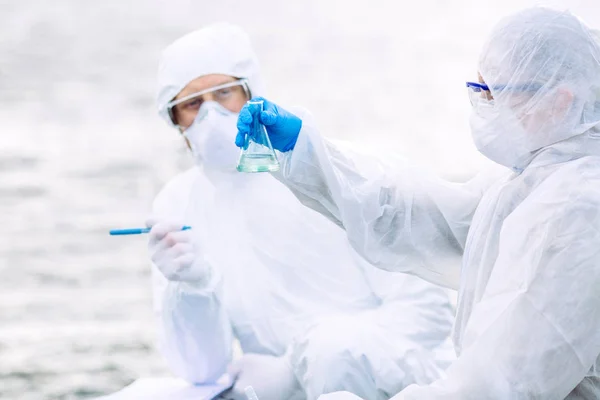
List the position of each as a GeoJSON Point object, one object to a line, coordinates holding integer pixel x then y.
{"type": "Point", "coordinates": [399, 219]}
{"type": "Point", "coordinates": [194, 331]}
{"type": "Point", "coordinates": [534, 334]}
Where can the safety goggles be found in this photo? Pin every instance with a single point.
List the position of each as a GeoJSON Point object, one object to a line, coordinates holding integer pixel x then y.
{"type": "Point", "coordinates": [479, 92]}
{"type": "Point", "coordinates": [220, 93]}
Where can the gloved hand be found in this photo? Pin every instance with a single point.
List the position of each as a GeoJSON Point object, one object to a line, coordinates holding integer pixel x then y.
{"type": "Point", "coordinates": [271, 378]}
{"type": "Point", "coordinates": [175, 253]}
{"type": "Point", "coordinates": [339, 396]}
{"type": "Point", "coordinates": [282, 126]}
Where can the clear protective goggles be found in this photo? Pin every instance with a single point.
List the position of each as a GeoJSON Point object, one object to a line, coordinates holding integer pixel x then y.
{"type": "Point", "coordinates": [220, 93]}
{"type": "Point", "coordinates": [479, 92]}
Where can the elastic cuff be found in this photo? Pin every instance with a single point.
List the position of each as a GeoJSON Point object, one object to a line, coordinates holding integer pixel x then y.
{"type": "Point", "coordinates": [207, 286]}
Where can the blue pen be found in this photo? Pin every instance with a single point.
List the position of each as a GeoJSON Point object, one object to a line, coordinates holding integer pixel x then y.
{"type": "Point", "coordinates": [137, 231]}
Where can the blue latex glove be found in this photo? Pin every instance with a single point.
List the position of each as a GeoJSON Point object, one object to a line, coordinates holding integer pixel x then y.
{"type": "Point", "coordinates": [282, 126]}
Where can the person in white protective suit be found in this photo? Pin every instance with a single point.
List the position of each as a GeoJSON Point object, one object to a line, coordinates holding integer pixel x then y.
{"type": "Point", "coordinates": [310, 315]}
{"type": "Point", "coordinates": [528, 319]}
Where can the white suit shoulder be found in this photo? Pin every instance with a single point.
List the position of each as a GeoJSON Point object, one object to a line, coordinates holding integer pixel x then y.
{"type": "Point", "coordinates": [578, 179]}
{"type": "Point", "coordinates": [569, 194]}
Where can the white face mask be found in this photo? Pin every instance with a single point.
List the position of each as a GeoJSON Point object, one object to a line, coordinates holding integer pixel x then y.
{"type": "Point", "coordinates": [500, 136]}
{"type": "Point", "coordinates": [212, 137]}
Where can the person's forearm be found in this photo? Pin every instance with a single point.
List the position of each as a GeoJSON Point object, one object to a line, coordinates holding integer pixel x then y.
{"type": "Point", "coordinates": [400, 219]}
{"type": "Point", "coordinates": [195, 335]}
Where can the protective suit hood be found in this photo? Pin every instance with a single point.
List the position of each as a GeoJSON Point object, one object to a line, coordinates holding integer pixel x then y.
{"type": "Point", "coordinates": [219, 48]}
{"type": "Point", "coordinates": [543, 67]}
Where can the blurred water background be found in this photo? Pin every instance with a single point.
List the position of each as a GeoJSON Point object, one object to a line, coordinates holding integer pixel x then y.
{"type": "Point", "coordinates": [82, 149]}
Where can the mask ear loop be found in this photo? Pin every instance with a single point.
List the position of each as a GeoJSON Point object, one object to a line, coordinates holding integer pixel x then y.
{"type": "Point", "coordinates": [245, 87]}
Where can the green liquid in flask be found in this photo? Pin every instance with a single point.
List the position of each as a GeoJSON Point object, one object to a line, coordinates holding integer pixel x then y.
{"type": "Point", "coordinates": [258, 163]}
{"type": "Point", "coordinates": [258, 154]}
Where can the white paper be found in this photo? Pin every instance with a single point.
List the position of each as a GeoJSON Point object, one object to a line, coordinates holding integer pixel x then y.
{"type": "Point", "coordinates": [169, 389]}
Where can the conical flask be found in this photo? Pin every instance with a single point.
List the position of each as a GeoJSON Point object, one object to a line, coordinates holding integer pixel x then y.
{"type": "Point", "coordinates": [257, 154]}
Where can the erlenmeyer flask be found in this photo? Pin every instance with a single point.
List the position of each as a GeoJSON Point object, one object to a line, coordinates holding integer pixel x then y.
{"type": "Point", "coordinates": [257, 154]}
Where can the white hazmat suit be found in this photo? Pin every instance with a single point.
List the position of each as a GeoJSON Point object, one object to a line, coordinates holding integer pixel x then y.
{"type": "Point", "coordinates": [528, 319]}
{"type": "Point", "coordinates": [282, 279]}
